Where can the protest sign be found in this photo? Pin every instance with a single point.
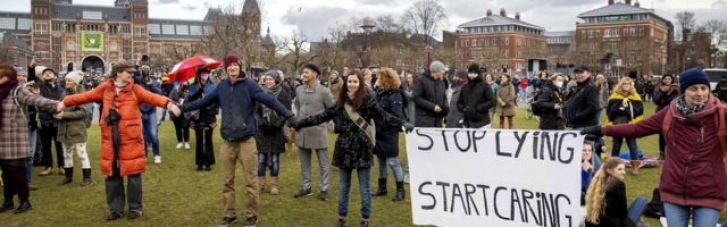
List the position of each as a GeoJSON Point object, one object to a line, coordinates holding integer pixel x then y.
{"type": "Point", "coordinates": [485, 178]}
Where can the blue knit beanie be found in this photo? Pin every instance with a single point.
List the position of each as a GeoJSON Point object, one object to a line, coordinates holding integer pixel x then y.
{"type": "Point", "coordinates": [691, 77]}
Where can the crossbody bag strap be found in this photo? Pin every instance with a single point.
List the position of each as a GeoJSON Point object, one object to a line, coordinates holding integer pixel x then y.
{"type": "Point", "coordinates": [359, 121]}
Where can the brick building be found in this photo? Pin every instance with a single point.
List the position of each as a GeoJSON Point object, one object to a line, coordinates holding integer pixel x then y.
{"type": "Point", "coordinates": [636, 37]}
{"type": "Point", "coordinates": [500, 42]}
{"type": "Point", "coordinates": [60, 33]}
{"type": "Point", "coordinates": [693, 50]}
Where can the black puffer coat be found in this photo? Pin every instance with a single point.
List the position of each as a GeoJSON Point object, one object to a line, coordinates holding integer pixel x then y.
{"type": "Point", "coordinates": [475, 101]}
{"type": "Point", "coordinates": [52, 91]}
{"type": "Point", "coordinates": [353, 149]}
{"type": "Point", "coordinates": [550, 95]}
{"type": "Point", "coordinates": [387, 133]}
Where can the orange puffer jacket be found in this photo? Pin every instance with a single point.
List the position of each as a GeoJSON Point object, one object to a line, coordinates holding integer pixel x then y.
{"type": "Point", "coordinates": [132, 158]}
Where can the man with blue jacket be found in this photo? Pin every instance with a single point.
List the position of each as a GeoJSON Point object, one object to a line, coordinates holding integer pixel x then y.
{"type": "Point", "coordinates": [236, 97]}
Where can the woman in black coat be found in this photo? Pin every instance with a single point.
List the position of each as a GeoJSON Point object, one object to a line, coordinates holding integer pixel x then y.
{"type": "Point", "coordinates": [181, 127]}
{"type": "Point", "coordinates": [476, 99]}
{"type": "Point", "coordinates": [270, 139]}
{"type": "Point", "coordinates": [353, 149]}
{"type": "Point", "coordinates": [391, 100]}
{"type": "Point", "coordinates": [550, 101]}
{"type": "Point", "coordinates": [204, 121]}
{"type": "Point", "coordinates": [664, 92]}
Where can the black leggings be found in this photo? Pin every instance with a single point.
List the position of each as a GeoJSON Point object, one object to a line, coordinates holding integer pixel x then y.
{"type": "Point", "coordinates": [48, 137]}
{"type": "Point", "coordinates": [182, 130]}
{"type": "Point", "coordinates": [14, 178]}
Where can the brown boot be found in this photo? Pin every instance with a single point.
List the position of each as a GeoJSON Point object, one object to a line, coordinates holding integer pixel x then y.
{"type": "Point", "coordinates": [47, 171]}
{"type": "Point", "coordinates": [635, 166]}
{"type": "Point", "coordinates": [261, 183]}
{"type": "Point", "coordinates": [69, 176]}
{"type": "Point", "coordinates": [274, 184]}
{"type": "Point", "coordinates": [61, 171]}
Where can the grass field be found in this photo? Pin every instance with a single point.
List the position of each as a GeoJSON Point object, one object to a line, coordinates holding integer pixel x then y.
{"type": "Point", "coordinates": [177, 195]}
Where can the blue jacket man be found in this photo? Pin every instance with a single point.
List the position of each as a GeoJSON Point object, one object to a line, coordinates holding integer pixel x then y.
{"type": "Point", "coordinates": [237, 96]}
{"type": "Point", "coordinates": [149, 120]}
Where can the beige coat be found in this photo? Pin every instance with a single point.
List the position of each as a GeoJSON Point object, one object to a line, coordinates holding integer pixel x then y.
{"type": "Point", "coordinates": [506, 100]}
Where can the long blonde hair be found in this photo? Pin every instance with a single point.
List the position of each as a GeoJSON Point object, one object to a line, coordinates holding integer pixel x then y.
{"type": "Point", "coordinates": [596, 195]}
{"type": "Point", "coordinates": [624, 80]}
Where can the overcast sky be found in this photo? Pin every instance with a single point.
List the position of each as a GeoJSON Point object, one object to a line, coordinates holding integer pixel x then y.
{"type": "Point", "coordinates": [312, 17]}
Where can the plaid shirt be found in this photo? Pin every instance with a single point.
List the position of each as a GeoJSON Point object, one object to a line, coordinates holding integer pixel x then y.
{"type": "Point", "coordinates": [14, 132]}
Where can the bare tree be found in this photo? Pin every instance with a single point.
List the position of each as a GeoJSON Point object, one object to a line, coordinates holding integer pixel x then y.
{"type": "Point", "coordinates": [230, 32]}
{"type": "Point", "coordinates": [718, 29]}
{"type": "Point", "coordinates": [685, 20]}
{"type": "Point", "coordinates": [297, 55]}
{"type": "Point", "coordinates": [425, 17]}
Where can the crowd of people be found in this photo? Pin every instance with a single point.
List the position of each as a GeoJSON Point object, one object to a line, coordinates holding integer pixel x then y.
{"type": "Point", "coordinates": [260, 116]}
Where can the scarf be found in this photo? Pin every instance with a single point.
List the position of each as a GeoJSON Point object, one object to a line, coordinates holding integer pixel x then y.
{"type": "Point", "coordinates": [5, 90]}
{"type": "Point", "coordinates": [685, 109]}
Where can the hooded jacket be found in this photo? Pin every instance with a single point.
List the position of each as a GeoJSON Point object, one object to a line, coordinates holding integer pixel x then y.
{"type": "Point", "coordinates": [132, 156]}
{"type": "Point", "coordinates": [427, 94]}
{"type": "Point", "coordinates": [694, 172]}
{"type": "Point", "coordinates": [631, 110]}
{"type": "Point", "coordinates": [237, 101]}
{"type": "Point", "coordinates": [475, 101]}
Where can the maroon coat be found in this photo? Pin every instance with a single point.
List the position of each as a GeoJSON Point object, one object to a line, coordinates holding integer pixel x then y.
{"type": "Point", "coordinates": [694, 170]}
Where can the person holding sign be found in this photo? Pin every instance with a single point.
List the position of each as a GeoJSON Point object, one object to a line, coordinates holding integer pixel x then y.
{"type": "Point", "coordinates": [353, 113]}
{"type": "Point", "coordinates": [625, 107]}
{"type": "Point", "coordinates": [693, 179]}
{"type": "Point", "coordinates": [476, 99]}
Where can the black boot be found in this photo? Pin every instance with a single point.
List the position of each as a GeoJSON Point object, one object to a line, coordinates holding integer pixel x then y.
{"type": "Point", "coordinates": [86, 177]}
{"type": "Point", "coordinates": [23, 207]}
{"type": "Point", "coordinates": [7, 205]}
{"type": "Point", "coordinates": [399, 192]}
{"type": "Point", "coordinates": [382, 188]}
{"type": "Point", "coordinates": [69, 176]}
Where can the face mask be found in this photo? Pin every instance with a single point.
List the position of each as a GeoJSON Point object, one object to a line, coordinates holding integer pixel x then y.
{"type": "Point", "coordinates": [559, 84]}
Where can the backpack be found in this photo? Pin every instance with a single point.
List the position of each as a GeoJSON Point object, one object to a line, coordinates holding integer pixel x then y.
{"type": "Point", "coordinates": [534, 105]}
{"type": "Point", "coordinates": [655, 208]}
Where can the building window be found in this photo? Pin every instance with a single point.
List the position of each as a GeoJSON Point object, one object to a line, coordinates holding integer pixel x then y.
{"type": "Point", "coordinates": [168, 29]}
{"type": "Point", "coordinates": [195, 30]}
{"type": "Point", "coordinates": [113, 29]}
{"type": "Point", "coordinates": [125, 29]}
{"type": "Point", "coordinates": [140, 31]}
{"type": "Point", "coordinates": [70, 28]}
{"type": "Point", "coordinates": [57, 27]}
{"type": "Point", "coordinates": [92, 15]}
{"type": "Point", "coordinates": [24, 24]}
{"type": "Point", "coordinates": [7, 23]}
{"type": "Point", "coordinates": [610, 32]}
{"type": "Point", "coordinates": [154, 29]}
{"type": "Point", "coordinates": [182, 29]}
{"type": "Point", "coordinates": [41, 28]}
{"type": "Point", "coordinates": [41, 11]}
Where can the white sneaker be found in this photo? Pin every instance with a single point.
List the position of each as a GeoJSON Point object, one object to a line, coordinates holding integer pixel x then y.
{"type": "Point", "coordinates": [157, 159]}
{"type": "Point", "coordinates": [186, 145]}
{"type": "Point", "coordinates": [406, 178]}
{"type": "Point", "coordinates": [179, 146]}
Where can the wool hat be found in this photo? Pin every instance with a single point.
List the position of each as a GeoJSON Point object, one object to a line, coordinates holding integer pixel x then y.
{"type": "Point", "coordinates": [75, 76]}
{"type": "Point", "coordinates": [474, 68]}
{"type": "Point", "coordinates": [39, 70]}
{"type": "Point", "coordinates": [691, 77]}
{"type": "Point", "coordinates": [436, 66]}
{"type": "Point", "coordinates": [120, 66]}
{"type": "Point", "coordinates": [633, 74]}
{"type": "Point", "coordinates": [461, 73]}
{"type": "Point", "coordinates": [313, 67]}
{"type": "Point", "coordinates": [232, 58]}
{"type": "Point", "coordinates": [274, 74]}
{"type": "Point", "coordinates": [48, 69]}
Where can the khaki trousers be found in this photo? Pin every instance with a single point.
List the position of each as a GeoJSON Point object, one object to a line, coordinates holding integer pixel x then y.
{"type": "Point", "coordinates": [244, 152]}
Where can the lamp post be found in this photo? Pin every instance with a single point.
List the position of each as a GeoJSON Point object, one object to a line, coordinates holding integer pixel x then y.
{"type": "Point", "coordinates": [367, 26]}
{"type": "Point", "coordinates": [429, 50]}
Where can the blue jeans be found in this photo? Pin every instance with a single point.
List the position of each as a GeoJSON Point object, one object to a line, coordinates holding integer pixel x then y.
{"type": "Point", "coordinates": [364, 176]}
{"type": "Point", "coordinates": [32, 140]}
{"type": "Point", "coordinates": [151, 131]}
{"type": "Point", "coordinates": [395, 167]}
{"type": "Point", "coordinates": [630, 142]}
{"type": "Point", "coordinates": [677, 215]}
{"type": "Point", "coordinates": [637, 208]}
{"type": "Point", "coordinates": [268, 160]}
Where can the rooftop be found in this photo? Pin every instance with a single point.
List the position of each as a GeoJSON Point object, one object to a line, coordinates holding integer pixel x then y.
{"type": "Point", "coordinates": [493, 20]}
{"type": "Point", "coordinates": [560, 33]}
{"type": "Point", "coordinates": [90, 12]}
{"type": "Point", "coordinates": [618, 8]}
{"type": "Point", "coordinates": [250, 6]}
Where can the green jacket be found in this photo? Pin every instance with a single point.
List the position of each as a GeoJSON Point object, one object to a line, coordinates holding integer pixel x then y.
{"type": "Point", "coordinates": [72, 128]}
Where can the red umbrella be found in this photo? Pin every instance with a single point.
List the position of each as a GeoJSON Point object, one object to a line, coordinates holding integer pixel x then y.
{"type": "Point", "coordinates": [187, 68]}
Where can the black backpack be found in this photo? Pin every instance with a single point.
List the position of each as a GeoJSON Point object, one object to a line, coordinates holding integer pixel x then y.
{"type": "Point", "coordinates": [655, 208]}
{"type": "Point", "coordinates": [535, 106]}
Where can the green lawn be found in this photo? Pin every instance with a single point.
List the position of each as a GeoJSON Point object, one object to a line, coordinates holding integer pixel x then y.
{"type": "Point", "coordinates": [177, 195]}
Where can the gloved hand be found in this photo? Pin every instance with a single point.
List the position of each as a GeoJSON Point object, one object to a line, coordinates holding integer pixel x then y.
{"type": "Point", "coordinates": [592, 130]}
{"type": "Point", "coordinates": [293, 122]}
{"type": "Point", "coordinates": [407, 127]}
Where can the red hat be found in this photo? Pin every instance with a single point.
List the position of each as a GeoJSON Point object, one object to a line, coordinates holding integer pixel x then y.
{"type": "Point", "coordinates": [232, 58]}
